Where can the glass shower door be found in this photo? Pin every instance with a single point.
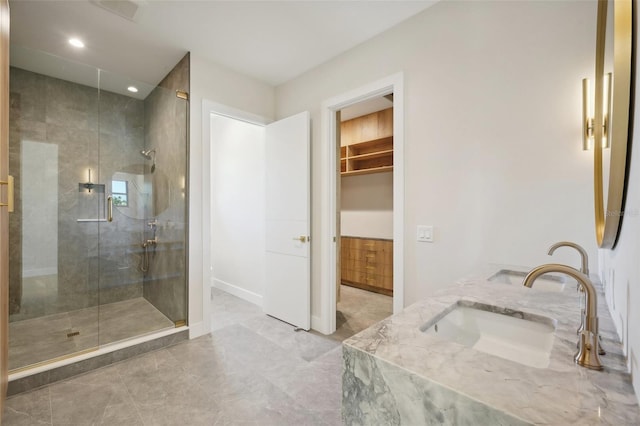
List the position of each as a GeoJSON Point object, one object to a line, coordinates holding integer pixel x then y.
{"type": "Point", "coordinates": [141, 282]}
{"type": "Point", "coordinates": [53, 235]}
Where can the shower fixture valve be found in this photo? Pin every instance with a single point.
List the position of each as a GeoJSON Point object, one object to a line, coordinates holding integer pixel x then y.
{"type": "Point", "coordinates": [152, 242]}
{"type": "Point", "coordinates": [153, 224]}
{"type": "Point", "coordinates": [144, 266]}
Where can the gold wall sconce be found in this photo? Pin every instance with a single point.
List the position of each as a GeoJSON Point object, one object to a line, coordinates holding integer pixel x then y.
{"type": "Point", "coordinates": [588, 114]}
{"type": "Point", "coordinates": [88, 184]}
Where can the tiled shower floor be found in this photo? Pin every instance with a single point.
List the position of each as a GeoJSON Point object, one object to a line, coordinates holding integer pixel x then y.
{"type": "Point", "coordinates": [40, 339]}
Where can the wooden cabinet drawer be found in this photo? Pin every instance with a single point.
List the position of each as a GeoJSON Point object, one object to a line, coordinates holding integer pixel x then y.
{"type": "Point", "coordinates": [383, 254]}
{"type": "Point", "coordinates": [367, 263]}
{"type": "Point", "coordinates": [373, 267]}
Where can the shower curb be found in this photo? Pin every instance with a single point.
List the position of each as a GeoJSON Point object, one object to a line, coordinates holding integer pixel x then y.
{"type": "Point", "coordinates": [44, 378]}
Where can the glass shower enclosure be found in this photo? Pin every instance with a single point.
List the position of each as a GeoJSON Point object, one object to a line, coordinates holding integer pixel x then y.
{"type": "Point", "coordinates": [98, 236]}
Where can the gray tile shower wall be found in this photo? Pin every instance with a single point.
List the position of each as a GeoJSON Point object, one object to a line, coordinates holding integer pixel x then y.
{"type": "Point", "coordinates": [121, 140]}
{"type": "Point", "coordinates": [166, 118]}
{"type": "Point", "coordinates": [76, 128]}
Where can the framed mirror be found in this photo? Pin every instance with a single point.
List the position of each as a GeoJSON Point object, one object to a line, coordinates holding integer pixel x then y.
{"type": "Point", "coordinates": [611, 123]}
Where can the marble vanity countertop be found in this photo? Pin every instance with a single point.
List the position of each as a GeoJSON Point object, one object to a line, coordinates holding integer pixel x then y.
{"type": "Point", "coordinates": [485, 272]}
{"type": "Point", "coordinates": [563, 393]}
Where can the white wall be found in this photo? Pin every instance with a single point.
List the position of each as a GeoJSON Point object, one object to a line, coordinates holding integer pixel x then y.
{"type": "Point", "coordinates": [619, 268]}
{"type": "Point", "coordinates": [366, 205]}
{"type": "Point", "coordinates": [211, 82]}
{"type": "Point", "coordinates": [492, 129]}
{"type": "Point", "coordinates": [238, 203]}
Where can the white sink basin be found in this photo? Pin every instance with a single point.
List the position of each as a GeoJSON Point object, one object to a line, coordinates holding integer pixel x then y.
{"type": "Point", "coordinates": [545, 282]}
{"type": "Point", "coordinates": [497, 331]}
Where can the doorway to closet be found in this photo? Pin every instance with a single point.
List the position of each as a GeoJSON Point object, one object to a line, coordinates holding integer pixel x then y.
{"type": "Point", "coordinates": [329, 270]}
{"type": "Point", "coordinates": [364, 289]}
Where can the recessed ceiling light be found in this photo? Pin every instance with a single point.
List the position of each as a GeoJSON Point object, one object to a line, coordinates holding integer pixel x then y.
{"type": "Point", "coordinates": [132, 89]}
{"type": "Point", "coordinates": [76, 42]}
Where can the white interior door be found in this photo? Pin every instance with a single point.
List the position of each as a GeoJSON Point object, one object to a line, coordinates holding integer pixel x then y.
{"type": "Point", "coordinates": [287, 293]}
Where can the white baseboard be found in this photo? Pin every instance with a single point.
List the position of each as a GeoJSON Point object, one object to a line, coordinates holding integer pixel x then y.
{"type": "Point", "coordinates": [197, 330]}
{"type": "Point", "coordinates": [240, 292]}
{"type": "Point", "coordinates": [318, 325]}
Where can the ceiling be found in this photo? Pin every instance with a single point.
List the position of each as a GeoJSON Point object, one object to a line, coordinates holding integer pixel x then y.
{"type": "Point", "coordinates": [272, 41]}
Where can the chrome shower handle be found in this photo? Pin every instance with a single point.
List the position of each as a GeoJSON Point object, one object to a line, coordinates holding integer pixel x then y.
{"type": "Point", "coordinates": [109, 208]}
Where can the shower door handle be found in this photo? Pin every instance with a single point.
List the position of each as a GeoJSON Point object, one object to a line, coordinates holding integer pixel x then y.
{"type": "Point", "coordinates": [109, 208]}
{"type": "Point", "coordinates": [9, 183]}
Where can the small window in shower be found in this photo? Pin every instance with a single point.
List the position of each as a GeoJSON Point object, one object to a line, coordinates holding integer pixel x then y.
{"type": "Point", "coordinates": [120, 193]}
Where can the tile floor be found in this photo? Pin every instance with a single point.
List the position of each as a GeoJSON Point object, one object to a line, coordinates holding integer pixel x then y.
{"type": "Point", "coordinates": [251, 370]}
{"type": "Point", "coordinates": [359, 309]}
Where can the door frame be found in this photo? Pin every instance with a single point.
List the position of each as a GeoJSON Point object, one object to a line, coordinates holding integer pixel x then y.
{"type": "Point", "coordinates": [326, 322]}
{"type": "Point", "coordinates": [4, 220]}
{"type": "Point", "coordinates": [210, 107]}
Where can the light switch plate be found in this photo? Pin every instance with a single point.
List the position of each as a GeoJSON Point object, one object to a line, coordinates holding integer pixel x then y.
{"type": "Point", "coordinates": [425, 234]}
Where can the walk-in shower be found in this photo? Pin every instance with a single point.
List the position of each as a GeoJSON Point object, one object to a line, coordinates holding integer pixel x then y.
{"type": "Point", "coordinates": [98, 236]}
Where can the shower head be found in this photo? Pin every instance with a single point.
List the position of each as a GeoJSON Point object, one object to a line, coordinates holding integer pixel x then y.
{"type": "Point", "coordinates": [150, 154]}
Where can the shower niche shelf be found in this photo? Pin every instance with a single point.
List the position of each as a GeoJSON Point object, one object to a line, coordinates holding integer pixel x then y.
{"type": "Point", "coordinates": [89, 187]}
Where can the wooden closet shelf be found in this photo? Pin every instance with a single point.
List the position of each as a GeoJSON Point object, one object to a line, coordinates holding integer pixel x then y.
{"type": "Point", "coordinates": [368, 171]}
{"type": "Point", "coordinates": [368, 144]}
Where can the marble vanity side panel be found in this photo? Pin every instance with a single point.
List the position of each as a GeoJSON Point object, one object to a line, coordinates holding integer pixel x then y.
{"type": "Point", "coordinates": [166, 118]}
{"type": "Point", "coordinates": [377, 392]}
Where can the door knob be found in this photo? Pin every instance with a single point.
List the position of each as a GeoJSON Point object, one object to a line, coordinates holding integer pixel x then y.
{"type": "Point", "coordinates": [302, 239]}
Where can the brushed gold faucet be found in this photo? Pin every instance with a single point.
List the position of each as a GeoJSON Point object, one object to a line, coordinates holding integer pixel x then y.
{"type": "Point", "coordinates": [583, 254]}
{"type": "Point", "coordinates": [587, 355]}
{"type": "Point", "coordinates": [584, 268]}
